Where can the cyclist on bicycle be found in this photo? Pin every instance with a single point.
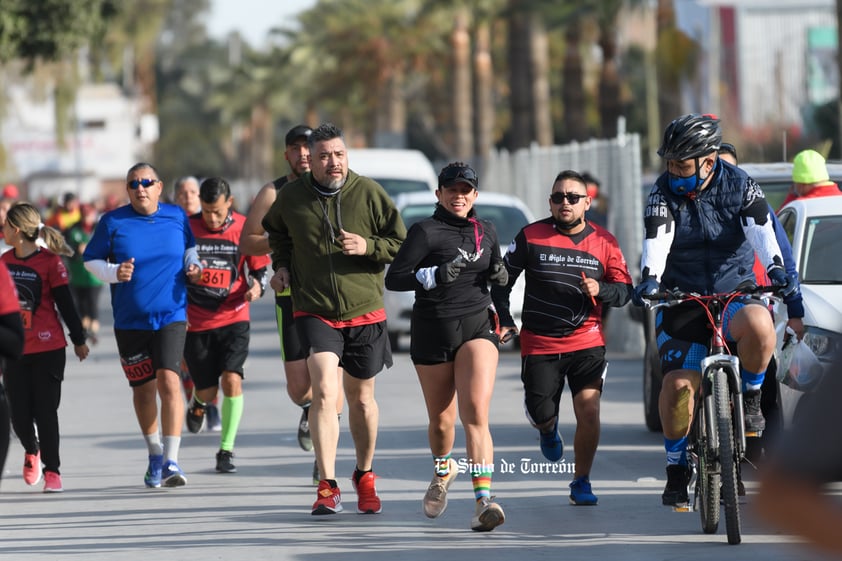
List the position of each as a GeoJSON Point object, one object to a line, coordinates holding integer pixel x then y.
{"type": "Point", "coordinates": [704, 222]}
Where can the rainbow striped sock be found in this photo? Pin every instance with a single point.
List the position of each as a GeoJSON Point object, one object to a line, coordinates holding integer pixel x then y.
{"type": "Point", "coordinates": [481, 479]}
{"type": "Point", "coordinates": [441, 465]}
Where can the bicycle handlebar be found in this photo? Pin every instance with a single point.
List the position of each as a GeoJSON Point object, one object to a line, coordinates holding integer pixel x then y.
{"type": "Point", "coordinates": [668, 298]}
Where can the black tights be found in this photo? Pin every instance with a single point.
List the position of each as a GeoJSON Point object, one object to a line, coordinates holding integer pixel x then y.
{"type": "Point", "coordinates": [33, 388]}
{"type": "Point", "coordinates": [4, 428]}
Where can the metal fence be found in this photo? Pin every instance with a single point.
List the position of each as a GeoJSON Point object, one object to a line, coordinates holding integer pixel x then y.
{"type": "Point", "coordinates": [529, 174]}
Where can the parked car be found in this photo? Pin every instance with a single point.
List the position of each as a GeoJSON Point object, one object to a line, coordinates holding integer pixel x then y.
{"type": "Point", "coordinates": [814, 227]}
{"type": "Point", "coordinates": [775, 179]}
{"type": "Point", "coordinates": [508, 214]}
{"type": "Point", "coordinates": [398, 171]}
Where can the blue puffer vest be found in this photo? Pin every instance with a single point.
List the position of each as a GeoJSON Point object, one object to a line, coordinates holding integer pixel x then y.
{"type": "Point", "coordinates": [709, 252]}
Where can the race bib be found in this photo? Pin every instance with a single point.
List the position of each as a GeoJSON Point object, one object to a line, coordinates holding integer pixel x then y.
{"type": "Point", "coordinates": [216, 278]}
{"type": "Point", "coordinates": [26, 313]}
{"type": "Point", "coordinates": [137, 367]}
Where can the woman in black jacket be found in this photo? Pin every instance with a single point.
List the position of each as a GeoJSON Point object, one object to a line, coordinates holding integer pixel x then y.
{"type": "Point", "coordinates": [448, 260]}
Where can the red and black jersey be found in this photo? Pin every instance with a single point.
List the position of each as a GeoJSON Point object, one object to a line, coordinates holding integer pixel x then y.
{"type": "Point", "coordinates": [218, 298]}
{"type": "Point", "coordinates": [8, 295]}
{"type": "Point", "coordinates": [11, 327]}
{"type": "Point", "coordinates": [557, 316]}
{"type": "Point", "coordinates": [35, 277]}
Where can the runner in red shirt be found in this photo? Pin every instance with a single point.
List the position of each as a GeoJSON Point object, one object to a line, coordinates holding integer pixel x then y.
{"type": "Point", "coordinates": [11, 347]}
{"type": "Point", "coordinates": [218, 314]}
{"type": "Point", "coordinates": [34, 380]}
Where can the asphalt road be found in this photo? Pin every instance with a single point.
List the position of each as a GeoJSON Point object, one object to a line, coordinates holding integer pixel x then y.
{"type": "Point", "coordinates": [263, 511]}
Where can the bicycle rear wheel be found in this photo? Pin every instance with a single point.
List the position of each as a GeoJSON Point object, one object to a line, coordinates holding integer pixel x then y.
{"type": "Point", "coordinates": [727, 455]}
{"type": "Point", "coordinates": [707, 484]}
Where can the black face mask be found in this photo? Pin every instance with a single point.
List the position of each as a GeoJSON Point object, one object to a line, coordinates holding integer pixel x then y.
{"type": "Point", "coordinates": [567, 226]}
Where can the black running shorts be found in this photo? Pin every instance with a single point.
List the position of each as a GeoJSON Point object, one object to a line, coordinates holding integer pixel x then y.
{"type": "Point", "coordinates": [543, 379]}
{"type": "Point", "coordinates": [291, 346]}
{"type": "Point", "coordinates": [210, 353]}
{"type": "Point", "coordinates": [144, 352]}
{"type": "Point", "coordinates": [435, 341]}
{"type": "Point", "coordinates": [363, 351]}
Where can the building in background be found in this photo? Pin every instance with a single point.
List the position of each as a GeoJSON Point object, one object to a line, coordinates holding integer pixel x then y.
{"type": "Point", "coordinates": [108, 133]}
{"type": "Point", "coordinates": [766, 63]}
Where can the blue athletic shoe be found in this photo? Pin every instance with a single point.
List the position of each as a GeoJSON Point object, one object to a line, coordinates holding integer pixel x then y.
{"type": "Point", "coordinates": [153, 472]}
{"type": "Point", "coordinates": [580, 492]}
{"type": "Point", "coordinates": [172, 475]}
{"type": "Point", "coordinates": [551, 444]}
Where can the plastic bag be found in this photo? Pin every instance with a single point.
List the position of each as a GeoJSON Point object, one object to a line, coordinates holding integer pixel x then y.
{"type": "Point", "coordinates": [799, 367]}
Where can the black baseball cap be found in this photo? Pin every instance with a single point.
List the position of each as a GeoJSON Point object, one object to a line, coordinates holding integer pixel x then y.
{"type": "Point", "coordinates": [297, 132]}
{"type": "Point", "coordinates": [458, 172]}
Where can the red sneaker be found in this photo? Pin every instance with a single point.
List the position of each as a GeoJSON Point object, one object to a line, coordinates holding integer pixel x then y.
{"type": "Point", "coordinates": [52, 482]}
{"type": "Point", "coordinates": [32, 468]}
{"type": "Point", "coordinates": [367, 500]}
{"type": "Point", "coordinates": [329, 501]}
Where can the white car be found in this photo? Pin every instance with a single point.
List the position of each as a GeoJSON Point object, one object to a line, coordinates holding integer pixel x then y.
{"type": "Point", "coordinates": [508, 213]}
{"type": "Point", "coordinates": [814, 227]}
{"type": "Point", "coordinates": [398, 171]}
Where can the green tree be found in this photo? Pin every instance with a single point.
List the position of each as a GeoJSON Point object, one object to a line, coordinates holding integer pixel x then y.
{"type": "Point", "coordinates": [49, 30]}
{"type": "Point", "coordinates": [676, 56]}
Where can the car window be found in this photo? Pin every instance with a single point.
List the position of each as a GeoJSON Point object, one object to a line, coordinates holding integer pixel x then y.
{"type": "Point", "coordinates": [395, 187]}
{"type": "Point", "coordinates": [822, 247]}
{"type": "Point", "coordinates": [788, 220]}
{"type": "Point", "coordinates": [775, 191]}
{"type": "Point", "coordinates": [413, 213]}
{"type": "Point", "coordinates": [507, 220]}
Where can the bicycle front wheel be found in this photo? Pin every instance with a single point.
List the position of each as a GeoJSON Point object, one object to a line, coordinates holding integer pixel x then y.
{"type": "Point", "coordinates": [707, 482]}
{"type": "Point", "coordinates": [727, 455]}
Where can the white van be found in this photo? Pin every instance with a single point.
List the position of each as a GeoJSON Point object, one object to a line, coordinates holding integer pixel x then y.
{"type": "Point", "coordinates": [398, 171]}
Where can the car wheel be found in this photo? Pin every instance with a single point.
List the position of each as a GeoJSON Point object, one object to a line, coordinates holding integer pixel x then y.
{"type": "Point", "coordinates": [804, 404]}
{"type": "Point", "coordinates": [652, 379]}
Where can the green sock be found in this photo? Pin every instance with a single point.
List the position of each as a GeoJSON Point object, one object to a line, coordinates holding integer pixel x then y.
{"type": "Point", "coordinates": [232, 412]}
{"type": "Point", "coordinates": [481, 479]}
{"type": "Point", "coordinates": [442, 465]}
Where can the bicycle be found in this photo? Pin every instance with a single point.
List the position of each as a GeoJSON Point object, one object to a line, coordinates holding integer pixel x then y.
{"type": "Point", "coordinates": [717, 440]}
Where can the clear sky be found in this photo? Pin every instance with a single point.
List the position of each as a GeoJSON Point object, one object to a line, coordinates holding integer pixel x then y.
{"type": "Point", "coordinates": [252, 18]}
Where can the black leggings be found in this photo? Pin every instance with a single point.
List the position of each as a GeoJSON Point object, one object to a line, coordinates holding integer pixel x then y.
{"type": "Point", "coordinates": [33, 388]}
{"type": "Point", "coordinates": [4, 428]}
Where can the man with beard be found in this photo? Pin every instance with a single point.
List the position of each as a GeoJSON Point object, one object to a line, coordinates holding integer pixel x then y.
{"type": "Point", "coordinates": [331, 233]}
{"type": "Point", "coordinates": [573, 269]}
{"type": "Point", "coordinates": [254, 241]}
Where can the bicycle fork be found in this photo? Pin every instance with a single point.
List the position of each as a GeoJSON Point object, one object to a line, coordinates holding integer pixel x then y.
{"type": "Point", "coordinates": [730, 364]}
{"type": "Point", "coordinates": [707, 416]}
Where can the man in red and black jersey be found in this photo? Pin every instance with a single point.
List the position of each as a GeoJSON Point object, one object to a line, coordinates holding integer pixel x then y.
{"type": "Point", "coordinates": [218, 313]}
{"type": "Point", "coordinates": [573, 269]}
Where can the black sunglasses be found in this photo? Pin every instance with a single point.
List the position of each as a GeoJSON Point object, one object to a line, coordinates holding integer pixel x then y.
{"type": "Point", "coordinates": [145, 183]}
{"type": "Point", "coordinates": [572, 198]}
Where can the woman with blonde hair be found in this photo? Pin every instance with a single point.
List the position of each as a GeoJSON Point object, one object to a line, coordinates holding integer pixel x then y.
{"type": "Point", "coordinates": [33, 382]}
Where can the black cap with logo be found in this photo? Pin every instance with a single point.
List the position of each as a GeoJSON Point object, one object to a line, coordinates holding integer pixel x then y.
{"type": "Point", "coordinates": [458, 172]}
{"type": "Point", "coordinates": [298, 131]}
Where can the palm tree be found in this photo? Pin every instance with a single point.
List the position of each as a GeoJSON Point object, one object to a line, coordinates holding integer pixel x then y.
{"type": "Point", "coordinates": [362, 48]}
{"type": "Point", "coordinates": [675, 56]}
{"type": "Point", "coordinates": [572, 86]}
{"type": "Point", "coordinates": [484, 88]}
{"type": "Point", "coordinates": [462, 105]}
{"type": "Point", "coordinates": [521, 128]}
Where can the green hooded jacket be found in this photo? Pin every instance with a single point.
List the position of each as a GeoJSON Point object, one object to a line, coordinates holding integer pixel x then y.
{"type": "Point", "coordinates": [303, 228]}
